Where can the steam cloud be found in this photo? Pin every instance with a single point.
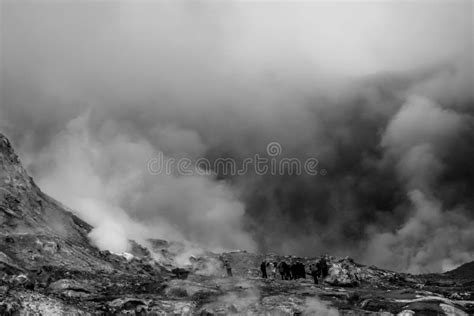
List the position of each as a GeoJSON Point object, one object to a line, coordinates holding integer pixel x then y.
{"type": "Point", "coordinates": [380, 93]}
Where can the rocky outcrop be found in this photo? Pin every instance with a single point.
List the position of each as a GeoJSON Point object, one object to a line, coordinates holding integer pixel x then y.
{"type": "Point", "coordinates": [342, 275]}
{"type": "Point", "coordinates": [71, 288]}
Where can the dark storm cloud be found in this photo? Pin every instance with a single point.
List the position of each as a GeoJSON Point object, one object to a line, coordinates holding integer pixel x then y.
{"type": "Point", "coordinates": [380, 93]}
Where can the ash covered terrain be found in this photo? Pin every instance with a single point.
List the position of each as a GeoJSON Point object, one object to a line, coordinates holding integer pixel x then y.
{"type": "Point", "coordinates": [48, 266]}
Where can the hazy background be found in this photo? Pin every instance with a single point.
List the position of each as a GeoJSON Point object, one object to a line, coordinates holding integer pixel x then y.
{"type": "Point", "coordinates": [380, 92]}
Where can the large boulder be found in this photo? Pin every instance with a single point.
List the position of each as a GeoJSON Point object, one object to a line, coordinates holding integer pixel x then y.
{"type": "Point", "coordinates": [342, 274]}
{"type": "Point", "coordinates": [431, 305]}
{"type": "Point", "coordinates": [131, 304]}
{"type": "Point", "coordinates": [180, 273]}
{"type": "Point", "coordinates": [71, 288]}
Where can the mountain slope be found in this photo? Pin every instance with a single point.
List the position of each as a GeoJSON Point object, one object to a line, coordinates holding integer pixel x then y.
{"type": "Point", "coordinates": [32, 223]}
{"type": "Point", "coordinates": [46, 256]}
{"type": "Point", "coordinates": [465, 271]}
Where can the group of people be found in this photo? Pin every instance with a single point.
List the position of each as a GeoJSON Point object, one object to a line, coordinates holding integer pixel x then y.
{"type": "Point", "coordinates": [272, 269]}
{"type": "Point", "coordinates": [295, 270]}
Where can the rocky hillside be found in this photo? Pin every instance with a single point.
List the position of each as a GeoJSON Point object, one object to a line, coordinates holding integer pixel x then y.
{"type": "Point", "coordinates": [465, 271]}
{"type": "Point", "coordinates": [36, 229]}
{"type": "Point", "coordinates": [49, 267]}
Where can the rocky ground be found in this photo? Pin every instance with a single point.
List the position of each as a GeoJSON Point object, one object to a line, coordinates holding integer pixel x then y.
{"type": "Point", "coordinates": [49, 267]}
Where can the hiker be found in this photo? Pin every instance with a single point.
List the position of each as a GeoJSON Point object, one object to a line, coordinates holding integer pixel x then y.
{"type": "Point", "coordinates": [263, 269]}
{"type": "Point", "coordinates": [300, 273]}
{"type": "Point", "coordinates": [324, 267]}
{"type": "Point", "coordinates": [274, 270]}
{"type": "Point", "coordinates": [228, 267]}
{"type": "Point", "coordinates": [287, 271]}
{"type": "Point", "coordinates": [313, 268]}
{"type": "Point", "coordinates": [293, 271]}
{"type": "Point", "coordinates": [302, 270]}
{"type": "Point", "coordinates": [282, 270]}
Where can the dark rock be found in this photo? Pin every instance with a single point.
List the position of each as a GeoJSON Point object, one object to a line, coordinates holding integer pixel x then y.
{"type": "Point", "coordinates": [71, 288]}
{"type": "Point", "coordinates": [180, 273]}
{"type": "Point", "coordinates": [128, 304]}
